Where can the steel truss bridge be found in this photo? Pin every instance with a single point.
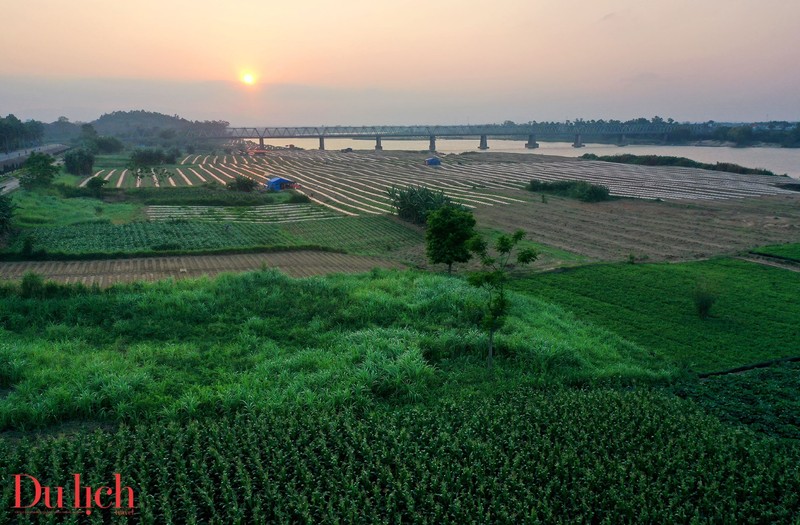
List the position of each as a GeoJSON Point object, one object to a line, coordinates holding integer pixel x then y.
{"type": "Point", "coordinates": [529, 131]}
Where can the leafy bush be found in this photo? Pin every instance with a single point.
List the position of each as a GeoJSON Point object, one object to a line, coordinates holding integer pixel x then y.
{"type": "Point", "coordinates": [704, 298]}
{"type": "Point", "coordinates": [32, 285]}
{"type": "Point", "coordinates": [148, 157]}
{"type": "Point", "coordinates": [95, 186]}
{"type": "Point", "coordinates": [413, 204]}
{"type": "Point", "coordinates": [576, 189]}
{"type": "Point", "coordinates": [242, 183]}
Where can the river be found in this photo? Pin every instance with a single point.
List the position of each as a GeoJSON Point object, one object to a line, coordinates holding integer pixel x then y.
{"type": "Point", "coordinates": [779, 160]}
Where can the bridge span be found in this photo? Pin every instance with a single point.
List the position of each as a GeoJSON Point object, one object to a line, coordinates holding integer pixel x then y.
{"type": "Point", "coordinates": [528, 132]}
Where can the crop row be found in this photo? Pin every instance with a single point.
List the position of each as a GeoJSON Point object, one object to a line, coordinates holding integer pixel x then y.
{"type": "Point", "coordinates": [527, 457]}
{"type": "Point", "coordinates": [352, 234]}
{"type": "Point", "coordinates": [269, 213]}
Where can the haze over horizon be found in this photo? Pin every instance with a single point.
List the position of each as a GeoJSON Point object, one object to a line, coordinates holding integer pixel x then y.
{"type": "Point", "coordinates": [403, 62]}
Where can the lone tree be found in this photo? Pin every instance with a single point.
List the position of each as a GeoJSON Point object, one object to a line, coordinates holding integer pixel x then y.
{"type": "Point", "coordinates": [494, 278]}
{"type": "Point", "coordinates": [449, 230]}
{"type": "Point", "coordinates": [39, 170]}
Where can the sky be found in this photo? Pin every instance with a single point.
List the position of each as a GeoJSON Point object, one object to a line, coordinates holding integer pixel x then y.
{"type": "Point", "coordinates": [369, 62]}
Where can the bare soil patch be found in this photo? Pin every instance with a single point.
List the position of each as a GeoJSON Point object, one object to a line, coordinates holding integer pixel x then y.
{"type": "Point", "coordinates": [682, 230]}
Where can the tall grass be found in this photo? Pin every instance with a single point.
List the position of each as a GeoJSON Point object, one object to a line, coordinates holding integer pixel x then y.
{"type": "Point", "coordinates": [209, 346]}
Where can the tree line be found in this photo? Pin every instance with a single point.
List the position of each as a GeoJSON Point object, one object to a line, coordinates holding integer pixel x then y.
{"type": "Point", "coordinates": [15, 134]}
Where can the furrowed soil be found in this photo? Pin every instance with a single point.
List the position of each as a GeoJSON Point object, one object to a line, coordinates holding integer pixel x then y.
{"type": "Point", "coordinates": [108, 272]}
{"type": "Point", "coordinates": [656, 231]}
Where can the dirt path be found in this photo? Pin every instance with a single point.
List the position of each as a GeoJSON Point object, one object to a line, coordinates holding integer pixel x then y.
{"type": "Point", "coordinates": [108, 272]}
{"type": "Point", "coordinates": [771, 261]}
{"type": "Point", "coordinates": [9, 185]}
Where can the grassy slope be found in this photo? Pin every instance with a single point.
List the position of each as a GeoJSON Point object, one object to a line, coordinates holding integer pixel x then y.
{"type": "Point", "coordinates": [37, 209]}
{"type": "Point", "coordinates": [755, 318]}
{"type": "Point", "coordinates": [179, 350]}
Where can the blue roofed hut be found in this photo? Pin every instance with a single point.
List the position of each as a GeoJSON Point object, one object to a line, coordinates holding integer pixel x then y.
{"type": "Point", "coordinates": [279, 183]}
{"type": "Point", "coordinates": [433, 161]}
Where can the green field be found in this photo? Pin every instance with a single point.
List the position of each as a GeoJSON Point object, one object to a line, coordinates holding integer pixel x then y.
{"type": "Point", "coordinates": [365, 398]}
{"type": "Point", "coordinates": [562, 456]}
{"type": "Point", "coordinates": [357, 235]}
{"type": "Point", "coordinates": [786, 251]}
{"type": "Point", "coordinates": [755, 318]}
{"type": "Point", "coordinates": [257, 398]}
{"type": "Point", "coordinates": [40, 209]}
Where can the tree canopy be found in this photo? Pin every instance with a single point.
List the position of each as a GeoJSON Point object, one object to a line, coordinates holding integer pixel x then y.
{"type": "Point", "coordinates": [79, 162]}
{"type": "Point", "coordinates": [449, 229]}
{"type": "Point", "coordinates": [39, 170]}
{"type": "Point", "coordinates": [6, 212]}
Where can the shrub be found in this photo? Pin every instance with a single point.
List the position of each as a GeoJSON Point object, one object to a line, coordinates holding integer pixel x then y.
{"type": "Point", "coordinates": [95, 186]}
{"type": "Point", "coordinates": [32, 285]}
{"type": "Point", "coordinates": [704, 298]}
{"type": "Point", "coordinates": [413, 204]}
{"type": "Point", "coordinates": [242, 183]}
{"type": "Point", "coordinates": [575, 189]}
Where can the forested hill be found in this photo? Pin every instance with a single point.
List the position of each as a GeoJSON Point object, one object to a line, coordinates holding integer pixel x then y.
{"type": "Point", "coordinates": [139, 122]}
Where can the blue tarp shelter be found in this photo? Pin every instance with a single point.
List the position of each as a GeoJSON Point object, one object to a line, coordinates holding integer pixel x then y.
{"type": "Point", "coordinates": [279, 183]}
{"type": "Point", "coordinates": [433, 161]}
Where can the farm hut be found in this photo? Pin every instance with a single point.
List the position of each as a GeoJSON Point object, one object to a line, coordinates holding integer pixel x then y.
{"type": "Point", "coordinates": [433, 161]}
{"type": "Point", "coordinates": [279, 183]}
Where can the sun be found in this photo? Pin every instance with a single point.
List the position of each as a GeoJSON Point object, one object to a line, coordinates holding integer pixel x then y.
{"type": "Point", "coordinates": [249, 79]}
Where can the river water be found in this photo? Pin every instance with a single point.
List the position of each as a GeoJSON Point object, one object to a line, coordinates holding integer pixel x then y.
{"type": "Point", "coordinates": [779, 160]}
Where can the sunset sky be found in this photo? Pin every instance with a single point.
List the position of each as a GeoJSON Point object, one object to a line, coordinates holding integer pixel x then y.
{"type": "Point", "coordinates": [324, 62]}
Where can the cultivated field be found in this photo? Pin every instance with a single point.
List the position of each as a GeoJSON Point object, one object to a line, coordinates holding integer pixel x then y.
{"type": "Point", "coordinates": [105, 273]}
{"type": "Point", "coordinates": [656, 230]}
{"type": "Point", "coordinates": [680, 213]}
{"type": "Point", "coordinates": [356, 183]}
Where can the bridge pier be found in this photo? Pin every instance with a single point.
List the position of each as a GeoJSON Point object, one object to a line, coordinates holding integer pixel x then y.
{"type": "Point", "coordinates": [378, 146]}
{"type": "Point", "coordinates": [623, 140]}
{"type": "Point", "coordinates": [531, 144]}
{"type": "Point", "coordinates": [432, 144]}
{"type": "Point", "coordinates": [322, 143]}
{"type": "Point", "coordinates": [578, 142]}
{"type": "Point", "coordinates": [484, 143]}
{"type": "Point", "coordinates": [261, 142]}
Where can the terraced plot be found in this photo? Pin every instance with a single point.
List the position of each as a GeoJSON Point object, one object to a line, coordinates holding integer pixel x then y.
{"type": "Point", "coordinates": [356, 183]}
